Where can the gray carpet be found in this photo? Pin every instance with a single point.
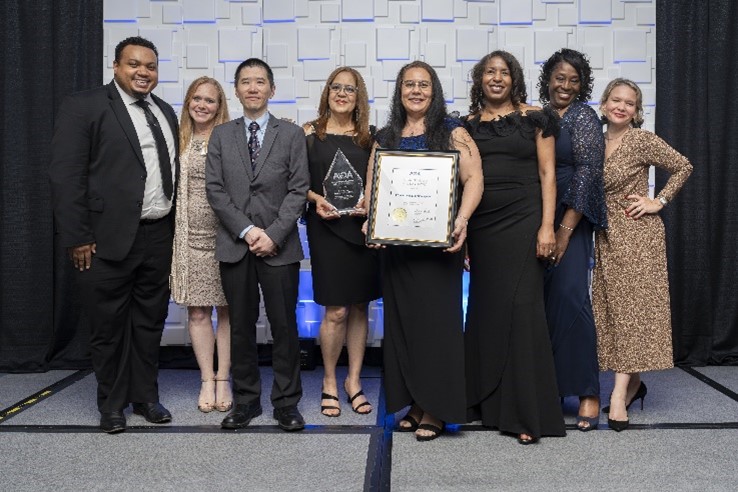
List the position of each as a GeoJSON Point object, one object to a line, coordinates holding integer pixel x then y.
{"type": "Point", "coordinates": [178, 391]}
{"type": "Point", "coordinates": [635, 460]}
{"type": "Point", "coordinates": [16, 387]}
{"type": "Point", "coordinates": [335, 454]}
{"type": "Point", "coordinates": [725, 375]}
{"type": "Point", "coordinates": [183, 462]}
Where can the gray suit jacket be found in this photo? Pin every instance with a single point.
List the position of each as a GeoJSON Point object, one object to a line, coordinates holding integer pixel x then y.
{"type": "Point", "coordinates": [271, 197]}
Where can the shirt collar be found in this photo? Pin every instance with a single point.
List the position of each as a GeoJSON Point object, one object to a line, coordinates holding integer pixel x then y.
{"type": "Point", "coordinates": [261, 120]}
{"type": "Point", "coordinates": [127, 98]}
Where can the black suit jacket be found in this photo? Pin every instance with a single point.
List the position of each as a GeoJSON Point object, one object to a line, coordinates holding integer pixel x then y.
{"type": "Point", "coordinates": [98, 171]}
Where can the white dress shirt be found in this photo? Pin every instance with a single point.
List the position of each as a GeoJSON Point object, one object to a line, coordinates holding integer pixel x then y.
{"type": "Point", "coordinates": [155, 203]}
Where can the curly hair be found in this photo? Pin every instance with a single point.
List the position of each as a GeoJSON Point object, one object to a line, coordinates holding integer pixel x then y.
{"type": "Point", "coordinates": [518, 95]}
{"type": "Point", "coordinates": [638, 117]}
{"type": "Point", "coordinates": [437, 134]}
{"type": "Point", "coordinates": [186, 125]}
{"type": "Point", "coordinates": [360, 115]}
{"type": "Point", "coordinates": [577, 60]}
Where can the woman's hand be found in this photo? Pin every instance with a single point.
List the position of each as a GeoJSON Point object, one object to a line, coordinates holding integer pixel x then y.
{"type": "Point", "coordinates": [546, 243]}
{"type": "Point", "coordinates": [459, 234]}
{"type": "Point", "coordinates": [563, 236]}
{"type": "Point", "coordinates": [359, 209]}
{"type": "Point", "coordinates": [642, 205]}
{"type": "Point", "coordinates": [365, 230]}
{"type": "Point", "coordinates": [324, 209]}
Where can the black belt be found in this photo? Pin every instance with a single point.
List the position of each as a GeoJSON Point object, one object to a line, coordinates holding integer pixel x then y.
{"type": "Point", "coordinates": [152, 221]}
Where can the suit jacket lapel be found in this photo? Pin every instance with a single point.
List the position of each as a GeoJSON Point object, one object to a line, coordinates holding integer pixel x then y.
{"type": "Point", "coordinates": [121, 113]}
{"type": "Point", "coordinates": [266, 145]}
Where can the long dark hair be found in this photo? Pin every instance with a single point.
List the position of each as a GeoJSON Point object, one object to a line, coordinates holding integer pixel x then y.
{"type": "Point", "coordinates": [575, 59]}
{"type": "Point", "coordinates": [518, 95]}
{"type": "Point", "coordinates": [437, 133]}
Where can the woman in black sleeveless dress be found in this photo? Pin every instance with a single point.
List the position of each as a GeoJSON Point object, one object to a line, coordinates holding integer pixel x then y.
{"type": "Point", "coordinates": [345, 272]}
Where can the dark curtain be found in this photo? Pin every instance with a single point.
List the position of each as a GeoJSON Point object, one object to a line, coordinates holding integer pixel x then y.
{"type": "Point", "coordinates": [697, 113]}
{"type": "Point", "coordinates": [50, 48]}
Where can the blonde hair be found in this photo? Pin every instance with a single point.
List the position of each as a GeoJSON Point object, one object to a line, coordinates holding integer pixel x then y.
{"type": "Point", "coordinates": [360, 115]}
{"type": "Point", "coordinates": [638, 117]}
{"type": "Point", "coordinates": [186, 125]}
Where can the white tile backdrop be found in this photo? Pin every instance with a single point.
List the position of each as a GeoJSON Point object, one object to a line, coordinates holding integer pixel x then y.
{"type": "Point", "coordinates": [304, 40]}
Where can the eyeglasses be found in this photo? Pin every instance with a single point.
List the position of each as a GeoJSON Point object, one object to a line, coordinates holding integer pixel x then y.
{"type": "Point", "coordinates": [424, 85]}
{"type": "Point", "coordinates": [348, 89]}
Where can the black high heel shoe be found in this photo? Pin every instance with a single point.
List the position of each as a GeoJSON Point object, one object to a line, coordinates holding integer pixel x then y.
{"type": "Point", "coordinates": [618, 425]}
{"type": "Point", "coordinates": [640, 394]}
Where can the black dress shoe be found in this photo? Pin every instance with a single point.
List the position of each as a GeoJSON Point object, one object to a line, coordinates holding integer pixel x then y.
{"type": "Point", "coordinates": [241, 415]}
{"type": "Point", "coordinates": [112, 422]}
{"type": "Point", "coordinates": [289, 418]}
{"type": "Point", "coordinates": [153, 412]}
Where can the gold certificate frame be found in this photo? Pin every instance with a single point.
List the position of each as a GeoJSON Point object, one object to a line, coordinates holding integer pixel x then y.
{"type": "Point", "coordinates": [413, 198]}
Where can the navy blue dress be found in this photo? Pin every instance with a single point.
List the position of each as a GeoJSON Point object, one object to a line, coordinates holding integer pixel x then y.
{"type": "Point", "coordinates": [580, 151]}
{"type": "Point", "coordinates": [423, 324]}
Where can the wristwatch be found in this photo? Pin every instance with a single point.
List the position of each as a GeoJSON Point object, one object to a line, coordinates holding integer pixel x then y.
{"type": "Point", "coordinates": [663, 200]}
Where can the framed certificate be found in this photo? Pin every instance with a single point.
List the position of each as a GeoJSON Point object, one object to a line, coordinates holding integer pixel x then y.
{"type": "Point", "coordinates": [413, 198]}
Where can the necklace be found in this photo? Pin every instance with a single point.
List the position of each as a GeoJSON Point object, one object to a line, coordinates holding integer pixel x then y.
{"type": "Point", "coordinates": [613, 139]}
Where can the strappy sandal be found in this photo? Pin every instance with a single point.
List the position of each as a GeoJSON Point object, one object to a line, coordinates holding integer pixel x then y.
{"type": "Point", "coordinates": [437, 431]}
{"type": "Point", "coordinates": [362, 404]}
{"type": "Point", "coordinates": [410, 420]}
{"type": "Point", "coordinates": [206, 406]}
{"type": "Point", "coordinates": [323, 408]}
{"type": "Point", "coordinates": [222, 406]}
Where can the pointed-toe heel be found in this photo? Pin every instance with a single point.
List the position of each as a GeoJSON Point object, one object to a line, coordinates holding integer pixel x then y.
{"type": "Point", "coordinates": [618, 425]}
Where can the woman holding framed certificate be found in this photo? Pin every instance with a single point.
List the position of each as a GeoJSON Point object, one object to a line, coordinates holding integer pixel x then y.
{"type": "Point", "coordinates": [511, 381]}
{"type": "Point", "coordinates": [423, 337]}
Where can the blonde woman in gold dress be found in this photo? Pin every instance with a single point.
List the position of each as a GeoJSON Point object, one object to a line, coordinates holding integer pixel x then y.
{"type": "Point", "coordinates": [630, 284]}
{"type": "Point", "coordinates": [195, 275]}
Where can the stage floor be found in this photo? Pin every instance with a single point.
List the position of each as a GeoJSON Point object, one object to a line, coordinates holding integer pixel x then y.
{"type": "Point", "coordinates": [685, 438]}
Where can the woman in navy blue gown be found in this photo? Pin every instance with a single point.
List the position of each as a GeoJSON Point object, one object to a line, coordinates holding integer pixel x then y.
{"type": "Point", "coordinates": [566, 85]}
{"type": "Point", "coordinates": [423, 333]}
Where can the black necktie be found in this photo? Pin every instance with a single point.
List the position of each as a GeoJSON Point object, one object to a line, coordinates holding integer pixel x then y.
{"type": "Point", "coordinates": [253, 143]}
{"type": "Point", "coordinates": [165, 165]}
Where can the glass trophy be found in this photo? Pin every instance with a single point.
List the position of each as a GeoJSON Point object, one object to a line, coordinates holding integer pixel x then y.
{"type": "Point", "coordinates": [343, 186]}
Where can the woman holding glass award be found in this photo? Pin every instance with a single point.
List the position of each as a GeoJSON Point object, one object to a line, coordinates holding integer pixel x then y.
{"type": "Point", "coordinates": [423, 334]}
{"type": "Point", "coordinates": [345, 273]}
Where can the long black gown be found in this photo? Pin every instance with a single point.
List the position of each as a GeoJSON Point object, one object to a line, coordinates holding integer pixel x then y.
{"type": "Point", "coordinates": [580, 152]}
{"type": "Point", "coordinates": [423, 332]}
{"type": "Point", "coordinates": [344, 270]}
{"type": "Point", "coordinates": [511, 383]}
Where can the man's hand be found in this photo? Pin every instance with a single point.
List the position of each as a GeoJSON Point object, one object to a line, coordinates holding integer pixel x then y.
{"type": "Point", "coordinates": [259, 243]}
{"type": "Point", "coordinates": [81, 256]}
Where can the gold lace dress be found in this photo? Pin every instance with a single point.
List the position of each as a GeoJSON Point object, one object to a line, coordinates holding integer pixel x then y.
{"type": "Point", "coordinates": [195, 279]}
{"type": "Point", "coordinates": [630, 286]}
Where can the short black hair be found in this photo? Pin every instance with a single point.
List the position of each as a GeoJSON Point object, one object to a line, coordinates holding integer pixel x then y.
{"type": "Point", "coordinates": [518, 95]}
{"type": "Point", "coordinates": [135, 41]}
{"type": "Point", "coordinates": [255, 62]}
{"type": "Point", "coordinates": [575, 59]}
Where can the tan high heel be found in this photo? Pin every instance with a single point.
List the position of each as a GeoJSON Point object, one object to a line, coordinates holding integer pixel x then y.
{"type": "Point", "coordinates": [202, 404]}
{"type": "Point", "coordinates": [223, 406]}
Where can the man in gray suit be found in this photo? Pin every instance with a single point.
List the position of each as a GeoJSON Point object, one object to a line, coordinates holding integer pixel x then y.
{"type": "Point", "coordinates": [257, 181]}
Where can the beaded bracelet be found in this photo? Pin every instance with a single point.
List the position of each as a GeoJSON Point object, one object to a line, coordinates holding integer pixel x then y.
{"type": "Point", "coordinates": [566, 227]}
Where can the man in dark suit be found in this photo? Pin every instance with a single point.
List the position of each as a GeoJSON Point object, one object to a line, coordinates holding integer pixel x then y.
{"type": "Point", "coordinates": [257, 181]}
{"type": "Point", "coordinates": [114, 156]}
